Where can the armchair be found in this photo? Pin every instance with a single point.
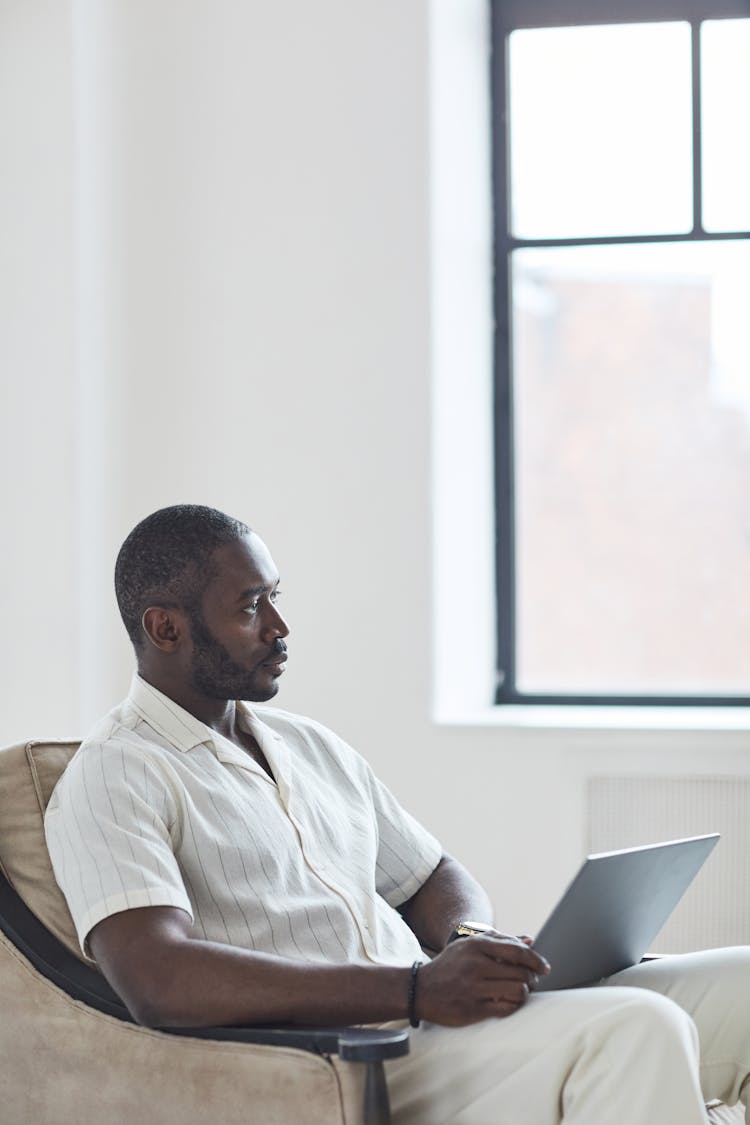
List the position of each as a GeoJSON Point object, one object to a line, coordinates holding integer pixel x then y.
{"type": "Point", "coordinates": [71, 1051]}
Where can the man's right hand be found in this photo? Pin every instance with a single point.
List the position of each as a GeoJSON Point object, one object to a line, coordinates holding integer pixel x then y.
{"type": "Point", "coordinates": [477, 978]}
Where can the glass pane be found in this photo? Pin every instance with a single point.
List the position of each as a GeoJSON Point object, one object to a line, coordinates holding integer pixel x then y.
{"type": "Point", "coordinates": [725, 124]}
{"type": "Point", "coordinates": [632, 422]}
{"type": "Point", "coordinates": [601, 130]}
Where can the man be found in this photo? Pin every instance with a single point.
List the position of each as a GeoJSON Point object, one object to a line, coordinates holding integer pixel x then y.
{"type": "Point", "coordinates": [234, 864]}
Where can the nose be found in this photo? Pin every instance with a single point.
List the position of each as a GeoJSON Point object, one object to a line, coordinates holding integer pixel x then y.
{"type": "Point", "coordinates": [274, 624]}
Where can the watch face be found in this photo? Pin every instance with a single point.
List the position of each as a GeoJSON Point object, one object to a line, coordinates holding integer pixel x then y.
{"type": "Point", "coordinates": [471, 929]}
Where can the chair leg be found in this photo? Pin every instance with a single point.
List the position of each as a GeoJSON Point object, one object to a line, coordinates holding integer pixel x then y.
{"type": "Point", "coordinates": [377, 1108]}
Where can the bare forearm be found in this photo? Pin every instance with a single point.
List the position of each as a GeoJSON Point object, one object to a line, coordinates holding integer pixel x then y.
{"type": "Point", "coordinates": [207, 984]}
{"type": "Point", "coordinates": [167, 978]}
{"type": "Point", "coordinates": [450, 895]}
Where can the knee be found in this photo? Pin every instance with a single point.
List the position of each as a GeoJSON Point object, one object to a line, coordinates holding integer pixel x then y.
{"type": "Point", "coordinates": [646, 1045]}
{"type": "Point", "coordinates": [649, 1021]}
{"type": "Point", "coordinates": [732, 962]}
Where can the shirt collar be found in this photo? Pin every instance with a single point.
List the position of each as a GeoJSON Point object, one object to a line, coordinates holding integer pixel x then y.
{"type": "Point", "coordinates": [185, 732]}
{"type": "Point", "coordinates": [176, 724]}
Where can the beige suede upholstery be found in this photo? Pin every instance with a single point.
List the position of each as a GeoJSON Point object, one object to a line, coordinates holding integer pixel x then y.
{"type": "Point", "coordinates": [28, 774]}
{"type": "Point", "coordinates": [63, 1062]}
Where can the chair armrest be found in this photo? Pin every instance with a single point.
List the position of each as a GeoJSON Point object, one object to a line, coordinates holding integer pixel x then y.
{"type": "Point", "coordinates": [353, 1044]}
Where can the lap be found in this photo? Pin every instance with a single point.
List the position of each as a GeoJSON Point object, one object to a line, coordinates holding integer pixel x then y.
{"type": "Point", "coordinates": [560, 1045]}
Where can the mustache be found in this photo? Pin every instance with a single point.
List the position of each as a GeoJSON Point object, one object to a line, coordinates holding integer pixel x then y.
{"type": "Point", "coordinates": [278, 649]}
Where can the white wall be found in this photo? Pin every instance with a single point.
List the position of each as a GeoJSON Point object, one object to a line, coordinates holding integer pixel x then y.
{"type": "Point", "coordinates": [37, 602]}
{"type": "Point", "coordinates": [217, 286]}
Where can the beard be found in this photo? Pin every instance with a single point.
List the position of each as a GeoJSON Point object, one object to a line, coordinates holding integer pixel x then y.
{"type": "Point", "coordinates": [217, 675]}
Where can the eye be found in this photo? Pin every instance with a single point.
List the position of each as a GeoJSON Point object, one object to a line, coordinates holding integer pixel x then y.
{"type": "Point", "coordinates": [254, 606]}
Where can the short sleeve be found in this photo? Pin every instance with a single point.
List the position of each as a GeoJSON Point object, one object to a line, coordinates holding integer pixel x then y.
{"type": "Point", "coordinates": [109, 827]}
{"type": "Point", "coordinates": [407, 852]}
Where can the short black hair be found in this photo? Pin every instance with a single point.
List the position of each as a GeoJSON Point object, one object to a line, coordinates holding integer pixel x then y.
{"type": "Point", "coordinates": [166, 560]}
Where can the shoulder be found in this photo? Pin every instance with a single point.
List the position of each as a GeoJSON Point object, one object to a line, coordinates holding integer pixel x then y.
{"type": "Point", "coordinates": [115, 754]}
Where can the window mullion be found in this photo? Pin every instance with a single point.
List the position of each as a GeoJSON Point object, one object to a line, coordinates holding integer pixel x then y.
{"type": "Point", "coordinates": [695, 29]}
{"type": "Point", "coordinates": [503, 404]}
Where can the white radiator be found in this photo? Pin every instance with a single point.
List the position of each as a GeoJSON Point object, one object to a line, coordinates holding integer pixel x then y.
{"type": "Point", "coordinates": [626, 811]}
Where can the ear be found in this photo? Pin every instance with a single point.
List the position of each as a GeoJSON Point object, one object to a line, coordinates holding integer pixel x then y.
{"type": "Point", "coordinates": [163, 627]}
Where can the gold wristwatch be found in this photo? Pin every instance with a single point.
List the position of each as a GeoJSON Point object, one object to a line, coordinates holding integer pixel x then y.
{"type": "Point", "coordinates": [470, 929]}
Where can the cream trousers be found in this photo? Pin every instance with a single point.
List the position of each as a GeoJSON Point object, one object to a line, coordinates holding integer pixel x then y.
{"type": "Point", "coordinates": [648, 1047]}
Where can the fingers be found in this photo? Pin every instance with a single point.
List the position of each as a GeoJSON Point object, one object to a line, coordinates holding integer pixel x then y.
{"type": "Point", "coordinates": [511, 952]}
{"type": "Point", "coordinates": [505, 1000]}
{"type": "Point", "coordinates": [478, 978]}
{"type": "Point", "coordinates": [523, 938]}
{"type": "Point", "coordinates": [513, 983]}
{"type": "Point", "coordinates": [502, 997]}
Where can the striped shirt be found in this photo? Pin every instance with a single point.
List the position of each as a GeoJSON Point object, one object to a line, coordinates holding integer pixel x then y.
{"type": "Point", "coordinates": [157, 809]}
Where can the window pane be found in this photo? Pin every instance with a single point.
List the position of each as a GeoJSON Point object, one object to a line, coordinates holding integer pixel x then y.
{"type": "Point", "coordinates": [600, 130]}
{"type": "Point", "coordinates": [725, 124]}
{"type": "Point", "coordinates": [632, 422]}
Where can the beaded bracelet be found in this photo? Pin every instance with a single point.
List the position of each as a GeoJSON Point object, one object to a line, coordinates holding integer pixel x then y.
{"type": "Point", "coordinates": [413, 994]}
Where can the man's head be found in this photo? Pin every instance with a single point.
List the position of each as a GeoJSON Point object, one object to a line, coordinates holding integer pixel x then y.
{"type": "Point", "coordinates": [197, 592]}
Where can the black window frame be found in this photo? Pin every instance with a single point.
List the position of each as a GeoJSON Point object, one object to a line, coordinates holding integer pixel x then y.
{"type": "Point", "coordinates": [508, 16]}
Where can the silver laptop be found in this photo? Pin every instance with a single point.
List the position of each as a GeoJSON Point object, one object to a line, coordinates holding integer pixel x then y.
{"type": "Point", "coordinates": [614, 908]}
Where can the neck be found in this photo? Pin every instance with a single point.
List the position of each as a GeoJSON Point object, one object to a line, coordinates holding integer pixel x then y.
{"type": "Point", "coordinates": [218, 714]}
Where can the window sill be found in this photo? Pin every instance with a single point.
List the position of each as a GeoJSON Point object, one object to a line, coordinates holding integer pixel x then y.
{"type": "Point", "coordinates": [537, 717]}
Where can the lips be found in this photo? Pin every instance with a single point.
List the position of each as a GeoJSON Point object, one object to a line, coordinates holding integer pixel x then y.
{"type": "Point", "coordinates": [278, 660]}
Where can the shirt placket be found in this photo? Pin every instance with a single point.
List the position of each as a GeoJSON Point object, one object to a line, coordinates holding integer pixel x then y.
{"type": "Point", "coordinates": [279, 758]}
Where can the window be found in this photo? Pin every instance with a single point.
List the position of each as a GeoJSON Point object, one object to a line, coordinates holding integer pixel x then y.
{"type": "Point", "coordinates": [622, 350]}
